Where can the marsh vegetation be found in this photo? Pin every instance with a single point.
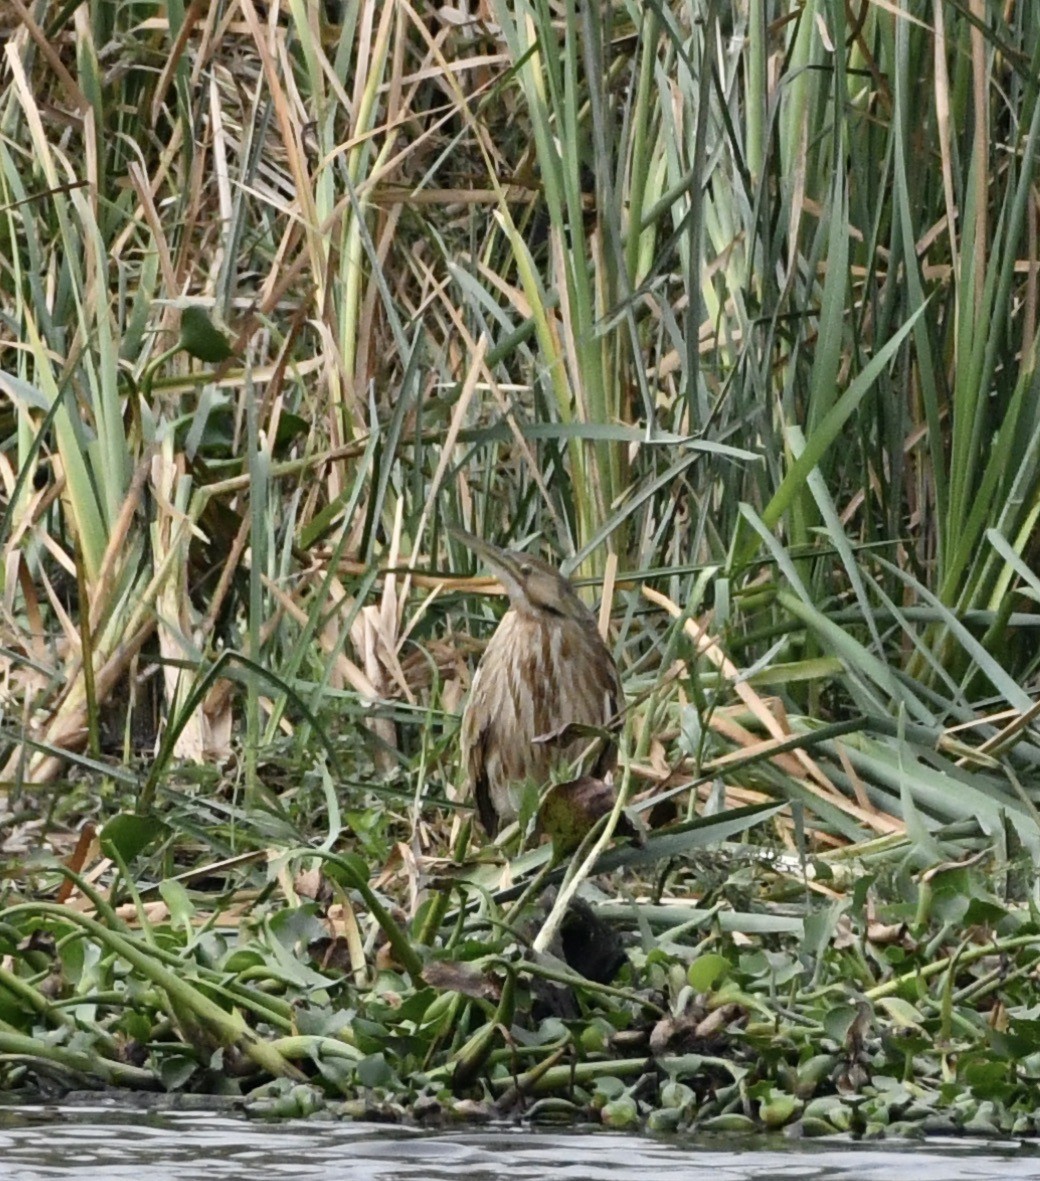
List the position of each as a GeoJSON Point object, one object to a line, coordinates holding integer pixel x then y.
{"type": "Point", "coordinates": [731, 310]}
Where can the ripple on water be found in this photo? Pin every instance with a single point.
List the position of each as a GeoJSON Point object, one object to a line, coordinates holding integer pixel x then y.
{"type": "Point", "coordinates": [112, 1143]}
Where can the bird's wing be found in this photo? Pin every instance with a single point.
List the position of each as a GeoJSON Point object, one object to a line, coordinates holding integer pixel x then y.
{"type": "Point", "coordinates": [474, 757]}
{"type": "Point", "coordinates": [480, 784]}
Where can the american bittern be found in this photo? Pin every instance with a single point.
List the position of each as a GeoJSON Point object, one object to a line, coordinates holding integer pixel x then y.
{"type": "Point", "coordinates": [545, 667]}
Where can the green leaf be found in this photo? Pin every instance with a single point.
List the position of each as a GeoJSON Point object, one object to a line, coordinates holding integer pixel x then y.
{"type": "Point", "coordinates": [838, 1020]}
{"type": "Point", "coordinates": [374, 1071]}
{"type": "Point", "coordinates": [985, 912]}
{"type": "Point", "coordinates": [620, 1113]}
{"type": "Point", "coordinates": [129, 833]}
{"type": "Point", "coordinates": [175, 1071]}
{"type": "Point", "coordinates": [290, 428]}
{"type": "Point", "coordinates": [988, 1080]}
{"type": "Point", "coordinates": [707, 971]}
{"type": "Point", "coordinates": [201, 338]}
{"type": "Point", "coordinates": [779, 1109]}
{"type": "Point", "coordinates": [180, 905]}
{"type": "Point", "coordinates": [903, 1014]}
{"type": "Point", "coordinates": [823, 437]}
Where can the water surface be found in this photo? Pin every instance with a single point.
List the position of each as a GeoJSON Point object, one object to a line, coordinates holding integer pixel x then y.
{"type": "Point", "coordinates": [109, 1142]}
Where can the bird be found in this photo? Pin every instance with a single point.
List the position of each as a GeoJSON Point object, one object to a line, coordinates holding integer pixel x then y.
{"type": "Point", "coordinates": [545, 667]}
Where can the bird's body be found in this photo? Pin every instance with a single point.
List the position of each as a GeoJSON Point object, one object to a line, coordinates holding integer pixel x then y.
{"type": "Point", "coordinates": [545, 667]}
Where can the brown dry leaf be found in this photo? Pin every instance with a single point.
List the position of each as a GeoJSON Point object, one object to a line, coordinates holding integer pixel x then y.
{"type": "Point", "coordinates": [449, 976]}
{"type": "Point", "coordinates": [390, 870]}
{"type": "Point", "coordinates": [844, 934]}
{"type": "Point", "coordinates": [20, 839]}
{"type": "Point", "coordinates": [959, 863]}
{"type": "Point", "coordinates": [410, 865]}
{"type": "Point", "coordinates": [344, 671]}
{"type": "Point", "coordinates": [569, 810]}
{"type": "Point", "coordinates": [308, 883]}
{"type": "Point", "coordinates": [452, 695]}
{"type": "Point", "coordinates": [331, 954]}
{"type": "Point", "coordinates": [204, 737]}
{"type": "Point", "coordinates": [886, 934]}
{"type": "Point", "coordinates": [342, 923]}
{"type": "Point", "coordinates": [87, 847]}
{"type": "Point", "coordinates": [771, 716]}
{"type": "Point", "coordinates": [365, 636]}
{"type": "Point", "coordinates": [79, 902]}
{"type": "Point", "coordinates": [718, 1019]}
{"type": "Point", "coordinates": [659, 764]}
{"type": "Point", "coordinates": [689, 1032]}
{"type": "Point", "coordinates": [154, 912]}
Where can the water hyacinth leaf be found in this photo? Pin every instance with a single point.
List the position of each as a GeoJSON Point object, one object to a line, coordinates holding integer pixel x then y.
{"type": "Point", "coordinates": [374, 1071]}
{"type": "Point", "coordinates": [675, 1094]}
{"type": "Point", "coordinates": [596, 1036]}
{"type": "Point", "coordinates": [242, 960]}
{"type": "Point", "coordinates": [347, 869]}
{"type": "Point", "coordinates": [129, 834]}
{"type": "Point", "coordinates": [176, 1070]}
{"type": "Point", "coordinates": [179, 904]}
{"type": "Point", "coordinates": [778, 1108]}
{"type": "Point", "coordinates": [903, 1014]}
{"type": "Point", "coordinates": [1022, 1038]}
{"type": "Point", "coordinates": [820, 926]}
{"type": "Point", "coordinates": [839, 1021]}
{"type": "Point", "coordinates": [985, 912]}
{"type": "Point", "coordinates": [620, 1113]}
{"type": "Point", "coordinates": [951, 895]}
{"type": "Point", "coordinates": [339, 1071]}
{"type": "Point", "coordinates": [608, 1087]}
{"type": "Point", "coordinates": [707, 971]}
{"type": "Point", "coordinates": [295, 927]}
{"type": "Point", "coordinates": [988, 1080]}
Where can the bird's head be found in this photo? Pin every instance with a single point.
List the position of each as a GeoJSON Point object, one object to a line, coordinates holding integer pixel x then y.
{"type": "Point", "coordinates": [534, 587]}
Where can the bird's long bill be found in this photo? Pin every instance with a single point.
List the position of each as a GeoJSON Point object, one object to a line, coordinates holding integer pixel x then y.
{"type": "Point", "coordinates": [501, 563]}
